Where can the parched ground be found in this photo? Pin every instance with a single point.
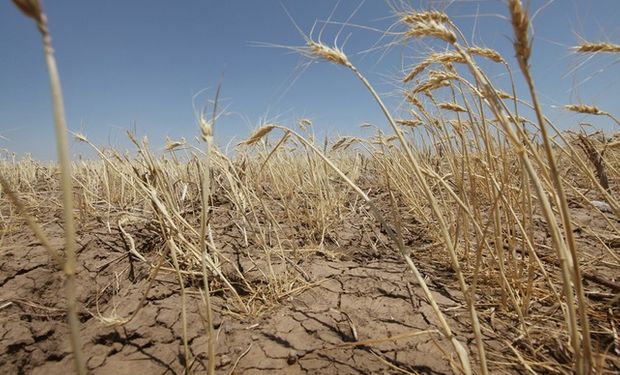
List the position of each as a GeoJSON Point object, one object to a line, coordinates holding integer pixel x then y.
{"type": "Point", "coordinates": [347, 299]}
{"type": "Point", "coordinates": [351, 308]}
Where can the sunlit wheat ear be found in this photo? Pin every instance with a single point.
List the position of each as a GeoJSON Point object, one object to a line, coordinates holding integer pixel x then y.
{"type": "Point", "coordinates": [206, 128]}
{"type": "Point", "coordinates": [339, 143]}
{"type": "Point", "coordinates": [31, 8]}
{"type": "Point", "coordinates": [132, 138]}
{"type": "Point", "coordinates": [413, 99]}
{"type": "Point", "coordinates": [408, 122]}
{"type": "Point", "coordinates": [436, 80]}
{"type": "Point", "coordinates": [411, 18]}
{"type": "Point", "coordinates": [438, 75]}
{"type": "Point", "coordinates": [80, 137]}
{"type": "Point", "coordinates": [431, 29]}
{"type": "Point", "coordinates": [521, 26]}
{"type": "Point", "coordinates": [583, 108]}
{"type": "Point", "coordinates": [452, 107]}
{"type": "Point", "coordinates": [344, 143]}
{"type": "Point", "coordinates": [258, 134]}
{"type": "Point", "coordinates": [590, 110]}
{"type": "Point", "coordinates": [417, 70]}
{"type": "Point", "coordinates": [173, 145]}
{"type": "Point", "coordinates": [489, 53]}
{"type": "Point", "coordinates": [431, 24]}
{"type": "Point", "coordinates": [435, 58]}
{"type": "Point", "coordinates": [304, 123]}
{"type": "Point", "coordinates": [597, 47]}
{"type": "Point", "coordinates": [317, 50]}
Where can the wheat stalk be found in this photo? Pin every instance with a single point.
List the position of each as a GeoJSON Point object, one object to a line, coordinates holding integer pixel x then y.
{"type": "Point", "coordinates": [34, 10]}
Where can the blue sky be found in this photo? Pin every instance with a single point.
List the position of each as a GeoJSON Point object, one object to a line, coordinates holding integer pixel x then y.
{"type": "Point", "coordinates": [138, 63]}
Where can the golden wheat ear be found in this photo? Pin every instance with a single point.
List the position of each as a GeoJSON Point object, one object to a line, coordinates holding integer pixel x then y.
{"type": "Point", "coordinates": [259, 134]}
{"type": "Point", "coordinates": [428, 24]}
{"type": "Point", "coordinates": [30, 8]}
{"type": "Point", "coordinates": [597, 47]}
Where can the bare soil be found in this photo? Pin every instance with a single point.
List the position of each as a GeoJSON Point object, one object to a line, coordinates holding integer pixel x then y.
{"type": "Point", "coordinates": [350, 293]}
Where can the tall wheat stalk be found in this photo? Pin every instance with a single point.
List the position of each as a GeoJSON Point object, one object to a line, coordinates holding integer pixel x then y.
{"type": "Point", "coordinates": [34, 10]}
{"type": "Point", "coordinates": [206, 128]}
{"type": "Point", "coordinates": [522, 46]}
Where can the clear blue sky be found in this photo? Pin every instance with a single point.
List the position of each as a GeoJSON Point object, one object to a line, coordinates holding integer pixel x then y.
{"type": "Point", "coordinates": [140, 61]}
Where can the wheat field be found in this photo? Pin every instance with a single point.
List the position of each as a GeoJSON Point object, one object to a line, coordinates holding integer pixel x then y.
{"type": "Point", "coordinates": [463, 237]}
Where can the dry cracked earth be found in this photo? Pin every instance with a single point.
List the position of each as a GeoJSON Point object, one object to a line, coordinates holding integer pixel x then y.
{"type": "Point", "coordinates": [353, 310]}
{"type": "Point", "coordinates": [316, 328]}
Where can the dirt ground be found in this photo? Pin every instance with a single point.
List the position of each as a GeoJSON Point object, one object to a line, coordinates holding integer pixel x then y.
{"type": "Point", "coordinates": [351, 293]}
{"type": "Point", "coordinates": [310, 332]}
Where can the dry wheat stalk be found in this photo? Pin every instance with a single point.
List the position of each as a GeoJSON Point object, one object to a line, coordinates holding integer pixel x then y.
{"type": "Point", "coordinates": [34, 10]}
